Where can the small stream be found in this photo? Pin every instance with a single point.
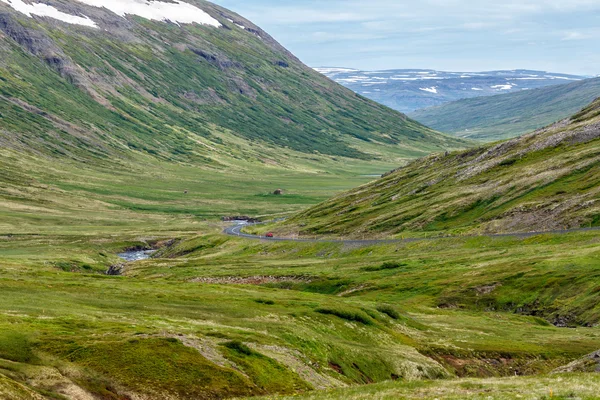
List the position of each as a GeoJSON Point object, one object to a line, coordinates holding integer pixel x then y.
{"type": "Point", "coordinates": [136, 255]}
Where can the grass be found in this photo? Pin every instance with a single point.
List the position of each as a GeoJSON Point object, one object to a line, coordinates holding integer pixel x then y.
{"type": "Point", "coordinates": [580, 386]}
{"type": "Point", "coordinates": [433, 317]}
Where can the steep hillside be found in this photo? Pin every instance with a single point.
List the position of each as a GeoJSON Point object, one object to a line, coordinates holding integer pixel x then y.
{"type": "Point", "coordinates": [509, 115]}
{"type": "Point", "coordinates": [549, 179]}
{"type": "Point", "coordinates": [407, 90]}
{"type": "Point", "coordinates": [104, 81]}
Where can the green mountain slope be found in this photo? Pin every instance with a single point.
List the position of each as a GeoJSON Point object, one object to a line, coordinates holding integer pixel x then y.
{"type": "Point", "coordinates": [159, 88]}
{"type": "Point", "coordinates": [509, 115]}
{"type": "Point", "coordinates": [549, 179]}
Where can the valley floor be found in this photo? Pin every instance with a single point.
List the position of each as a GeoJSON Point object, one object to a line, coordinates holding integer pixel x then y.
{"type": "Point", "coordinates": [215, 316]}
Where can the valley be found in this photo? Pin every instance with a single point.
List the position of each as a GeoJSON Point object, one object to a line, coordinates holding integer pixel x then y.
{"type": "Point", "coordinates": [406, 263]}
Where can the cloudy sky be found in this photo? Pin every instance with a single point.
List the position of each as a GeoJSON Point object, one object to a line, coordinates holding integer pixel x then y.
{"type": "Point", "coordinates": [458, 35]}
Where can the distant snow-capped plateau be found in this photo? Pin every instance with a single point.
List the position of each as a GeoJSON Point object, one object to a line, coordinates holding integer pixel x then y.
{"type": "Point", "coordinates": [407, 90]}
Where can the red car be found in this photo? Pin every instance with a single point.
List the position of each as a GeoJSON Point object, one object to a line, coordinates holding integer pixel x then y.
{"type": "Point", "coordinates": [269, 235]}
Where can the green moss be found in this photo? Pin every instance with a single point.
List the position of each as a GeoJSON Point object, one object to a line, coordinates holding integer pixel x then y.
{"type": "Point", "coordinates": [267, 374]}
{"type": "Point", "coordinates": [155, 365]}
{"type": "Point", "coordinates": [16, 346]}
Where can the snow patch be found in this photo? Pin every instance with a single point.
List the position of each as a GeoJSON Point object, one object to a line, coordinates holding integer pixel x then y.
{"type": "Point", "coordinates": [562, 77]}
{"type": "Point", "coordinates": [44, 10]}
{"type": "Point", "coordinates": [176, 11]}
{"type": "Point", "coordinates": [432, 89]}
{"type": "Point", "coordinates": [476, 88]}
{"type": "Point", "coordinates": [502, 87]}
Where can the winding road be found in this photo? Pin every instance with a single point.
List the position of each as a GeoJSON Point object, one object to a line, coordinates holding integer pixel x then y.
{"type": "Point", "coordinates": [236, 230]}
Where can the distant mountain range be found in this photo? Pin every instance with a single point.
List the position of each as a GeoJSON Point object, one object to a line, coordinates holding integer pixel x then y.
{"type": "Point", "coordinates": [408, 90]}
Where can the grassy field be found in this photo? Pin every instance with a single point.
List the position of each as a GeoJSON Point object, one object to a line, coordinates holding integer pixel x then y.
{"type": "Point", "coordinates": [214, 316]}
{"type": "Point", "coordinates": [575, 386]}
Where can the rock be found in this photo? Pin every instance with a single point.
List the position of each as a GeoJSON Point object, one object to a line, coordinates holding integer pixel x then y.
{"type": "Point", "coordinates": [217, 60]}
{"type": "Point", "coordinates": [589, 363]}
{"type": "Point", "coordinates": [282, 64]}
{"type": "Point", "coordinates": [115, 270]}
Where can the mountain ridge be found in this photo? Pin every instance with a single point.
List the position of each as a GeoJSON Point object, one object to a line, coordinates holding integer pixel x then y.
{"type": "Point", "coordinates": [508, 115]}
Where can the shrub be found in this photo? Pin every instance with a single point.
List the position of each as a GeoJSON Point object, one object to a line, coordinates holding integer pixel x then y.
{"type": "Point", "coordinates": [389, 311]}
{"type": "Point", "coordinates": [384, 266]}
{"type": "Point", "coordinates": [265, 301]}
{"type": "Point", "coordinates": [240, 347]}
{"type": "Point", "coordinates": [347, 314]}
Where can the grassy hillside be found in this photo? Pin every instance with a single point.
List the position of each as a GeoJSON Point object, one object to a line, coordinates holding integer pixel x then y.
{"type": "Point", "coordinates": [549, 179]}
{"type": "Point", "coordinates": [167, 90]}
{"type": "Point", "coordinates": [509, 115]}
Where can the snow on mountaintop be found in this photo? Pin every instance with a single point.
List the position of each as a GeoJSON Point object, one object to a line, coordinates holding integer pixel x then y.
{"type": "Point", "coordinates": [44, 10]}
{"type": "Point", "coordinates": [176, 11]}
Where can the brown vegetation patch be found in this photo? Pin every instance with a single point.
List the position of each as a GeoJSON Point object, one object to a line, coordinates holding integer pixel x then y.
{"type": "Point", "coordinates": [251, 280]}
{"type": "Point", "coordinates": [487, 289]}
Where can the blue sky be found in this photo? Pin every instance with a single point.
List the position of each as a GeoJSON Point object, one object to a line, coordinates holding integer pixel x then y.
{"type": "Point", "coordinates": [458, 35]}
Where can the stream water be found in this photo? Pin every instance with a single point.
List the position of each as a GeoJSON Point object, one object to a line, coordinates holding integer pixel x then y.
{"type": "Point", "coordinates": [136, 255]}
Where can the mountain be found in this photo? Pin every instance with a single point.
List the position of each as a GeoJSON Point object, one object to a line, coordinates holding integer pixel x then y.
{"type": "Point", "coordinates": [90, 78]}
{"type": "Point", "coordinates": [545, 180]}
{"type": "Point", "coordinates": [509, 115]}
{"type": "Point", "coordinates": [407, 90]}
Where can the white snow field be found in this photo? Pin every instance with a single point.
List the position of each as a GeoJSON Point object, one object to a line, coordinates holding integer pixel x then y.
{"type": "Point", "coordinates": [44, 10]}
{"type": "Point", "coordinates": [177, 12]}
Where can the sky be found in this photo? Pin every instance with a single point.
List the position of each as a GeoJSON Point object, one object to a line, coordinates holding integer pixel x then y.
{"type": "Point", "coordinates": [451, 35]}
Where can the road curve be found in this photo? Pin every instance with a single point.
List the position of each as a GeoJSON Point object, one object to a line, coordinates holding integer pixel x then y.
{"type": "Point", "coordinates": [236, 230]}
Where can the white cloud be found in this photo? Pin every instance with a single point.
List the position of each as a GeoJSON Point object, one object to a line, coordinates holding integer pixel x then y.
{"type": "Point", "coordinates": [580, 35]}
{"type": "Point", "coordinates": [467, 35]}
